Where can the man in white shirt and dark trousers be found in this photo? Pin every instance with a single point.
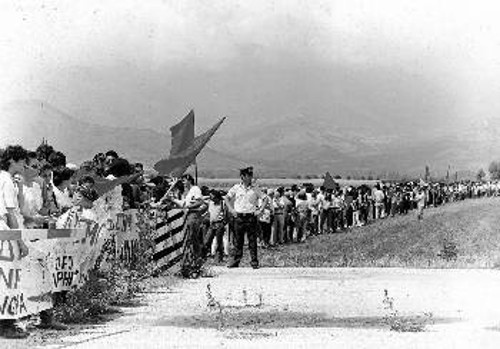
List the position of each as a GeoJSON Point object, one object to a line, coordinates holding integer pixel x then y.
{"type": "Point", "coordinates": [242, 201]}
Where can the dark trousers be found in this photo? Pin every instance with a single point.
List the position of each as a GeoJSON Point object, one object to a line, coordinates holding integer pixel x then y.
{"type": "Point", "coordinates": [192, 259]}
{"type": "Point", "coordinates": [245, 225]}
{"type": "Point", "coordinates": [348, 216]}
{"type": "Point", "coordinates": [216, 231]}
{"type": "Point", "coordinates": [289, 227]}
{"type": "Point", "coordinates": [301, 226]}
{"type": "Point", "coordinates": [265, 229]}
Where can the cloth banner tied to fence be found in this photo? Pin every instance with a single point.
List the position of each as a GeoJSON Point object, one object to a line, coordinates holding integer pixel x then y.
{"type": "Point", "coordinates": [61, 259]}
{"type": "Point", "coordinates": [25, 283]}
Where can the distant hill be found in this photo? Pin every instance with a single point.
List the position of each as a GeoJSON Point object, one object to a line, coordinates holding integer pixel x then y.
{"type": "Point", "coordinates": [28, 122]}
{"type": "Point", "coordinates": [281, 147]}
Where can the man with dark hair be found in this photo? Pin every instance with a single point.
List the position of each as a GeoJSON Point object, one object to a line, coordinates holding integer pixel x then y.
{"type": "Point", "coordinates": [43, 151]}
{"type": "Point", "coordinates": [61, 188]}
{"type": "Point", "coordinates": [98, 164]}
{"type": "Point", "coordinates": [111, 157]}
{"type": "Point", "coordinates": [217, 224]}
{"type": "Point", "coordinates": [13, 161]}
{"type": "Point", "coordinates": [242, 201]}
{"type": "Point", "coordinates": [57, 160]}
{"type": "Point", "coordinates": [138, 167]}
{"type": "Point", "coordinates": [118, 168]}
{"type": "Point", "coordinates": [111, 154]}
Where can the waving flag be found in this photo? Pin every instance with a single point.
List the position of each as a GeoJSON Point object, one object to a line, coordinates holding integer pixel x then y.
{"type": "Point", "coordinates": [177, 165]}
{"type": "Point", "coordinates": [182, 135]}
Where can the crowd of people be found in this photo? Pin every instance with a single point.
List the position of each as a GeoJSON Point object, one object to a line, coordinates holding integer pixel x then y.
{"type": "Point", "coordinates": [38, 186]}
{"type": "Point", "coordinates": [269, 217]}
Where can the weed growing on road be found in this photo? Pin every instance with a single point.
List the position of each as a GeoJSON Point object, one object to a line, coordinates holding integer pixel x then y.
{"type": "Point", "coordinates": [211, 301]}
{"type": "Point", "coordinates": [230, 310]}
{"type": "Point", "coordinates": [245, 299]}
{"type": "Point", "coordinates": [214, 303]}
{"type": "Point", "coordinates": [403, 324]}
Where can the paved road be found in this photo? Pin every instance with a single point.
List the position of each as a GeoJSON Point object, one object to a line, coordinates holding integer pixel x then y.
{"type": "Point", "coordinates": [306, 308]}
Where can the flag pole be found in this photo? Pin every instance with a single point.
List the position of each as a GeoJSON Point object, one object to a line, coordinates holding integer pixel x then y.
{"type": "Point", "coordinates": [195, 172]}
{"type": "Point", "coordinates": [174, 182]}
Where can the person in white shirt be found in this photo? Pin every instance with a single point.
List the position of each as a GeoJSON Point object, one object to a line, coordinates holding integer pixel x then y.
{"type": "Point", "coordinates": [61, 181]}
{"type": "Point", "coordinates": [278, 227]}
{"type": "Point", "coordinates": [266, 219]}
{"type": "Point", "coordinates": [420, 201]}
{"type": "Point", "coordinates": [242, 201]}
{"type": "Point", "coordinates": [378, 197]}
{"type": "Point", "coordinates": [32, 195]}
{"type": "Point", "coordinates": [191, 202]}
{"type": "Point", "coordinates": [314, 206]}
{"type": "Point", "coordinates": [13, 160]}
{"type": "Point", "coordinates": [217, 224]}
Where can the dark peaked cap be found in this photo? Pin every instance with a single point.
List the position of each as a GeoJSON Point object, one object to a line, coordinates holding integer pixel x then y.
{"type": "Point", "coordinates": [246, 171]}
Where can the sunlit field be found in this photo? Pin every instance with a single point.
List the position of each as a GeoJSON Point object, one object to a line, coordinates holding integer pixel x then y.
{"type": "Point", "coordinates": [464, 234]}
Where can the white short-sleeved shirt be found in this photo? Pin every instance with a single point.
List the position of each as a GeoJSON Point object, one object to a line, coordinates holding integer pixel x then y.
{"type": "Point", "coordinates": [62, 197]}
{"type": "Point", "coordinates": [216, 212]}
{"type": "Point", "coordinates": [379, 196]}
{"type": "Point", "coordinates": [193, 194]}
{"type": "Point", "coordinates": [245, 199]}
{"type": "Point", "coordinates": [8, 193]}
{"type": "Point", "coordinates": [420, 199]}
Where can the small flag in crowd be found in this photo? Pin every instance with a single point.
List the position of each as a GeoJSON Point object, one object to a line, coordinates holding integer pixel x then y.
{"type": "Point", "coordinates": [170, 234]}
{"type": "Point", "coordinates": [329, 183]}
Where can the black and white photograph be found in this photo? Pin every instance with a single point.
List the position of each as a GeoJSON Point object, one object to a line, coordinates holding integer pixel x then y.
{"type": "Point", "coordinates": [249, 174]}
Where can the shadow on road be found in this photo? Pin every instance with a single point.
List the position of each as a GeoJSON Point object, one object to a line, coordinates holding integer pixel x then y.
{"type": "Point", "coordinates": [286, 319]}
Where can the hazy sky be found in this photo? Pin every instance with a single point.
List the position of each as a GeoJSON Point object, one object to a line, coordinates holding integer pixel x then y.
{"type": "Point", "coordinates": [145, 63]}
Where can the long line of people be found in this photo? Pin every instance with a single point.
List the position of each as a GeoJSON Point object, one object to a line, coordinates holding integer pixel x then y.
{"type": "Point", "coordinates": [37, 187]}
{"type": "Point", "coordinates": [293, 214]}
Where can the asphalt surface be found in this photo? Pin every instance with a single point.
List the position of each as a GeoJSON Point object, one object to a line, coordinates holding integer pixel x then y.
{"type": "Point", "coordinates": [311, 308]}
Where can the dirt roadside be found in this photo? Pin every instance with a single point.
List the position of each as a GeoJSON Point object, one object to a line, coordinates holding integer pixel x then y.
{"type": "Point", "coordinates": [308, 307]}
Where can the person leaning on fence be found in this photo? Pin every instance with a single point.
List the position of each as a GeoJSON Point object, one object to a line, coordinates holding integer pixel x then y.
{"type": "Point", "coordinates": [242, 200]}
{"type": "Point", "coordinates": [192, 202]}
{"type": "Point", "coordinates": [12, 160]}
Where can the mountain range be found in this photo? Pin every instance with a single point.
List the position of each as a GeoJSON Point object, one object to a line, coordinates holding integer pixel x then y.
{"type": "Point", "coordinates": [284, 146]}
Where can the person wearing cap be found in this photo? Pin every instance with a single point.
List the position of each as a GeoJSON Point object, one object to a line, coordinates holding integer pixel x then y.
{"type": "Point", "coordinates": [242, 201]}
